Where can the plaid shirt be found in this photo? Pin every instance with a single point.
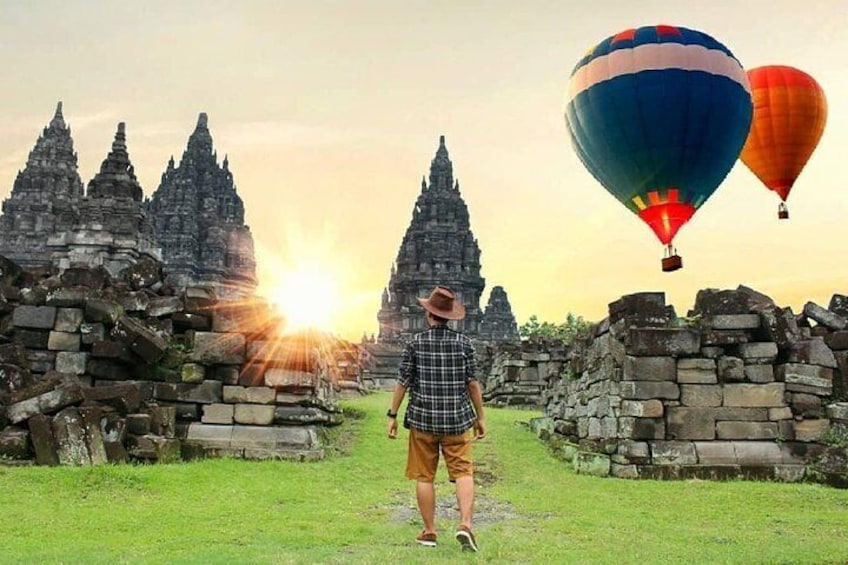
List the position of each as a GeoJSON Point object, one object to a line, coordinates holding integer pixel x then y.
{"type": "Point", "coordinates": [435, 368]}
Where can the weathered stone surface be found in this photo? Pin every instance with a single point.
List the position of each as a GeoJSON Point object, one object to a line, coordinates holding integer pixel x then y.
{"type": "Point", "coordinates": [253, 414]}
{"type": "Point", "coordinates": [218, 348]}
{"type": "Point", "coordinates": [199, 299]}
{"type": "Point", "coordinates": [806, 405]}
{"type": "Point", "coordinates": [805, 378]}
{"type": "Point", "coordinates": [13, 354]}
{"type": "Point", "coordinates": [746, 430]}
{"type": "Point", "coordinates": [139, 424]}
{"type": "Point", "coordinates": [75, 297]}
{"type": "Point", "coordinates": [13, 378]}
{"type": "Point", "coordinates": [838, 411]}
{"type": "Point", "coordinates": [108, 349]}
{"type": "Point", "coordinates": [164, 306]}
{"type": "Point", "coordinates": [662, 341]}
{"type": "Point", "coordinates": [70, 438]}
{"type": "Point", "coordinates": [837, 340]}
{"type": "Point", "coordinates": [134, 301]}
{"type": "Point", "coordinates": [712, 338]}
{"type": "Point", "coordinates": [716, 452]}
{"type": "Point", "coordinates": [34, 317]}
{"type": "Point", "coordinates": [642, 408]}
{"type": "Point", "coordinates": [825, 317]}
{"type": "Point", "coordinates": [759, 373]}
{"type": "Point", "coordinates": [103, 311]}
{"type": "Point", "coordinates": [691, 423]}
{"type": "Point", "coordinates": [143, 341]}
{"type": "Point", "coordinates": [758, 353]}
{"type": "Point", "coordinates": [696, 371]}
{"type": "Point", "coordinates": [154, 448]}
{"type": "Point", "coordinates": [754, 395]}
{"type": "Point", "coordinates": [780, 326]}
{"type": "Point", "coordinates": [732, 321]}
{"type": "Point", "coordinates": [14, 443]}
{"type": "Point", "coordinates": [784, 413]}
{"type": "Point", "coordinates": [812, 352]}
{"type": "Point", "coordinates": [109, 370]}
{"type": "Point", "coordinates": [183, 322]}
{"type": "Point", "coordinates": [730, 369]}
{"type": "Point", "coordinates": [811, 430]}
{"type": "Point", "coordinates": [68, 319]}
{"type": "Point", "coordinates": [95, 278]}
{"type": "Point", "coordinates": [192, 373]}
{"type": "Point", "coordinates": [63, 341]}
{"type": "Point", "coordinates": [65, 393]}
{"type": "Point", "coordinates": [757, 453]}
{"type": "Point", "coordinates": [249, 395]}
{"type": "Point", "coordinates": [71, 362]}
{"type": "Point", "coordinates": [741, 414]}
{"type": "Point", "coordinates": [143, 274]}
{"type": "Point", "coordinates": [742, 300]}
{"type": "Point", "coordinates": [123, 397]}
{"type": "Point", "coordinates": [650, 368]}
{"type": "Point", "coordinates": [229, 375]}
{"type": "Point", "coordinates": [90, 420]}
{"type": "Point", "coordinates": [207, 392]}
{"type": "Point", "coordinates": [641, 428]}
{"type": "Point", "coordinates": [286, 378]}
{"type": "Point", "coordinates": [299, 415]}
{"type": "Point", "coordinates": [595, 464]}
{"type": "Point", "coordinates": [92, 333]}
{"type": "Point", "coordinates": [217, 414]}
{"type": "Point", "coordinates": [673, 453]}
{"type": "Point", "coordinates": [701, 395]}
{"type": "Point", "coordinates": [43, 442]}
{"type": "Point", "coordinates": [162, 420]}
{"type": "Point", "coordinates": [643, 390]}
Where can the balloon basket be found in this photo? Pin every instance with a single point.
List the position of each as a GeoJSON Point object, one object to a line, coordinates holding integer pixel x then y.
{"type": "Point", "coordinates": [782, 212]}
{"type": "Point", "coordinates": [672, 263]}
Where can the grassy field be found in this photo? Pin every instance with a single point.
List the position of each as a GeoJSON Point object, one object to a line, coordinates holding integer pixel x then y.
{"type": "Point", "coordinates": [356, 507]}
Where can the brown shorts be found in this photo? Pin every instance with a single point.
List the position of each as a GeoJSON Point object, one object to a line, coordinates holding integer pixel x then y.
{"type": "Point", "coordinates": [423, 458]}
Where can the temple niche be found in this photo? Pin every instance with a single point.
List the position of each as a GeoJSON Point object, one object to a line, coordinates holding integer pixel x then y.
{"type": "Point", "coordinates": [439, 248]}
{"type": "Point", "coordinates": [199, 221]}
{"type": "Point", "coordinates": [112, 229]}
{"type": "Point", "coordinates": [44, 197]}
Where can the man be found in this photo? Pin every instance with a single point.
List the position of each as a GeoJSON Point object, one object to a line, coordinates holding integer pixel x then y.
{"type": "Point", "coordinates": [445, 405]}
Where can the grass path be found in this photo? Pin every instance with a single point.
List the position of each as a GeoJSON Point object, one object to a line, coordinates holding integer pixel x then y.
{"type": "Point", "coordinates": [358, 508]}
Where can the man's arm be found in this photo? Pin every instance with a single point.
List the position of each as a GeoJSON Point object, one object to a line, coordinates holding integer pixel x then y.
{"type": "Point", "coordinates": [476, 394]}
{"type": "Point", "coordinates": [397, 399]}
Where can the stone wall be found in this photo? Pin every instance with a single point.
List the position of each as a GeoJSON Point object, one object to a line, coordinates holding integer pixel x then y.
{"type": "Point", "coordinates": [96, 369]}
{"type": "Point", "coordinates": [740, 387]}
{"type": "Point", "coordinates": [518, 372]}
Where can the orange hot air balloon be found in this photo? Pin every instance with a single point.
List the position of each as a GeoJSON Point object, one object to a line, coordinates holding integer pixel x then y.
{"type": "Point", "coordinates": [790, 111]}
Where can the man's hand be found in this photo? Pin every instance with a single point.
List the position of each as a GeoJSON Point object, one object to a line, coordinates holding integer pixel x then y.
{"type": "Point", "coordinates": [480, 428]}
{"type": "Point", "coordinates": [392, 428]}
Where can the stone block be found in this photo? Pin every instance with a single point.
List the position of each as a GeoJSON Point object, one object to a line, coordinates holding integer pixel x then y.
{"type": "Point", "coordinates": [713, 338]}
{"type": "Point", "coordinates": [740, 414]}
{"type": "Point", "coordinates": [241, 317]}
{"type": "Point", "coordinates": [595, 464]}
{"type": "Point", "coordinates": [289, 379]}
{"type": "Point", "coordinates": [758, 453]}
{"type": "Point", "coordinates": [183, 322]}
{"type": "Point", "coordinates": [673, 453]}
{"type": "Point", "coordinates": [34, 317]}
{"type": "Point", "coordinates": [249, 395]}
{"type": "Point", "coordinates": [808, 406]}
{"type": "Point", "coordinates": [68, 319]}
{"type": "Point", "coordinates": [825, 317]}
{"type": "Point", "coordinates": [13, 354]}
{"type": "Point", "coordinates": [142, 274]}
{"type": "Point", "coordinates": [94, 277]}
{"type": "Point", "coordinates": [696, 371]}
{"type": "Point", "coordinates": [108, 370]}
{"type": "Point", "coordinates": [649, 368]}
{"type": "Point", "coordinates": [646, 390]}
{"type": "Point", "coordinates": [641, 408]}
{"type": "Point", "coordinates": [67, 392]}
{"type": "Point", "coordinates": [649, 342]}
{"type": "Point", "coordinates": [624, 471]}
{"type": "Point", "coordinates": [63, 341]}
{"type": "Point", "coordinates": [43, 442]}
{"type": "Point", "coordinates": [812, 352]}
{"type": "Point", "coordinates": [253, 414]}
{"type": "Point", "coordinates": [40, 361]}
{"type": "Point", "coordinates": [217, 414]}
{"type": "Point", "coordinates": [108, 349]}
{"type": "Point", "coordinates": [811, 430]}
{"type": "Point", "coordinates": [754, 395]}
{"type": "Point", "coordinates": [838, 411]}
{"type": "Point", "coordinates": [72, 363]}
{"type": "Point", "coordinates": [31, 339]}
{"type": "Point", "coordinates": [70, 438]}
{"type": "Point", "coordinates": [90, 418]}
{"type": "Point", "coordinates": [123, 397]}
{"type": "Point", "coordinates": [154, 448]}
{"type": "Point", "coordinates": [711, 351]}
{"type": "Point", "coordinates": [640, 428]}
{"type": "Point", "coordinates": [730, 369]}
{"type": "Point", "coordinates": [185, 411]}
{"type": "Point", "coordinates": [536, 356]}
{"type": "Point", "coordinates": [14, 443]}
{"type": "Point", "coordinates": [192, 373]}
{"type": "Point", "coordinates": [758, 352]}
{"type": "Point", "coordinates": [286, 437]}
{"type": "Point", "coordinates": [142, 340]}
{"type": "Point", "coordinates": [199, 299]}
{"type": "Point", "coordinates": [715, 452]}
{"type": "Point", "coordinates": [700, 395]}
{"type": "Point", "coordinates": [227, 374]}
{"type": "Point", "coordinates": [780, 326]}
{"type": "Point", "coordinates": [136, 301]}
{"type": "Point", "coordinates": [634, 451]}
{"type": "Point", "coordinates": [163, 306]}
{"type": "Point", "coordinates": [837, 341]}
{"type": "Point", "coordinates": [207, 392]}
{"type": "Point", "coordinates": [775, 414]}
{"type": "Point", "coordinates": [212, 348]}
{"type": "Point", "coordinates": [74, 297]}
{"type": "Point", "coordinates": [300, 415]}
{"type": "Point", "coordinates": [746, 430]}
{"type": "Point", "coordinates": [139, 424]}
{"type": "Point", "coordinates": [103, 311]}
{"type": "Point", "coordinates": [805, 378]}
{"type": "Point", "coordinates": [13, 378]}
{"type": "Point", "coordinates": [759, 374]}
{"type": "Point", "coordinates": [732, 321]}
{"type": "Point", "coordinates": [92, 333]}
{"type": "Point", "coordinates": [690, 423]}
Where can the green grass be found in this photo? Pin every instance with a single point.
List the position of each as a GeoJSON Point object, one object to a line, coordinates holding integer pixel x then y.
{"type": "Point", "coordinates": [346, 510]}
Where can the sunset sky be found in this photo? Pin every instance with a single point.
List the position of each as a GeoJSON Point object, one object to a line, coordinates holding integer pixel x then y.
{"type": "Point", "coordinates": [330, 113]}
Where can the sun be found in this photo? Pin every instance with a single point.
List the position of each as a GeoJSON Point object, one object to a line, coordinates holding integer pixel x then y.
{"type": "Point", "coordinates": [308, 298]}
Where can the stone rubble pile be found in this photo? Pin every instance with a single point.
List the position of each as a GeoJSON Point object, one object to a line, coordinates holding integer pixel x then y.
{"type": "Point", "coordinates": [740, 387]}
{"type": "Point", "coordinates": [95, 368]}
{"type": "Point", "coordinates": [519, 372]}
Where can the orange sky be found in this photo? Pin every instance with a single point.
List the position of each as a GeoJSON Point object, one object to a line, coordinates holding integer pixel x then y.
{"type": "Point", "coordinates": [330, 113]}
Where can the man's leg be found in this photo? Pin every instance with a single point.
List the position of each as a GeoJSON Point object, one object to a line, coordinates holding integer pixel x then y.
{"type": "Point", "coordinates": [465, 499]}
{"type": "Point", "coordinates": [426, 493]}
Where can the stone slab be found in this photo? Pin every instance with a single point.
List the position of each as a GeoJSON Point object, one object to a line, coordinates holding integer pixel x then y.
{"type": "Point", "coordinates": [754, 395]}
{"type": "Point", "coordinates": [68, 319]}
{"type": "Point", "coordinates": [207, 392]}
{"type": "Point", "coordinates": [759, 374]}
{"type": "Point", "coordinates": [43, 442]}
{"type": "Point", "coordinates": [746, 430]}
{"type": "Point", "coordinates": [649, 368]}
{"type": "Point", "coordinates": [63, 341]}
{"type": "Point", "coordinates": [701, 395]}
{"type": "Point", "coordinates": [732, 321]}
{"type": "Point", "coordinates": [253, 414]}
{"type": "Point", "coordinates": [217, 414]}
{"type": "Point", "coordinates": [825, 317]}
{"type": "Point", "coordinates": [662, 341]}
{"type": "Point", "coordinates": [34, 317]}
{"type": "Point", "coordinates": [641, 408]}
{"type": "Point", "coordinates": [212, 348]}
{"type": "Point", "coordinates": [48, 402]}
{"type": "Point", "coordinates": [70, 362]}
{"type": "Point", "coordinates": [249, 395]}
{"type": "Point", "coordinates": [685, 423]}
{"type": "Point", "coordinates": [811, 430]}
{"type": "Point", "coordinates": [696, 371]}
{"type": "Point", "coordinates": [673, 453]}
{"type": "Point", "coordinates": [716, 452]}
{"type": "Point", "coordinates": [758, 352]}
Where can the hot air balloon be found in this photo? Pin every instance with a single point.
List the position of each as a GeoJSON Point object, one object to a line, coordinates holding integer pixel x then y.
{"type": "Point", "coordinates": [789, 115]}
{"type": "Point", "coordinates": [658, 115]}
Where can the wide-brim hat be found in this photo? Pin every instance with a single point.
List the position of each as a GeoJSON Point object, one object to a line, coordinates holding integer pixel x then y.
{"type": "Point", "coordinates": [443, 303]}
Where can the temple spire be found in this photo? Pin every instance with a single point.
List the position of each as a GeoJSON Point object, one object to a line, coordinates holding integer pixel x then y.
{"type": "Point", "coordinates": [441, 168]}
{"type": "Point", "coordinates": [58, 120]}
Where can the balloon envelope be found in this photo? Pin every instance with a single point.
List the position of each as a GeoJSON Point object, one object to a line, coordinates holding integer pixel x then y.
{"type": "Point", "coordinates": [790, 111]}
{"type": "Point", "coordinates": [658, 115]}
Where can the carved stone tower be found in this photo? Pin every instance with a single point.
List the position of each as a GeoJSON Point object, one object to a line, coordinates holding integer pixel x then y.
{"type": "Point", "coordinates": [498, 323]}
{"type": "Point", "coordinates": [44, 197]}
{"type": "Point", "coordinates": [438, 248]}
{"type": "Point", "coordinates": [112, 228]}
{"type": "Point", "coordinates": [199, 221]}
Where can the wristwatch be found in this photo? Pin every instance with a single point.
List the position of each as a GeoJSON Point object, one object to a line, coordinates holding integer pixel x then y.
{"type": "Point", "coordinates": [391, 415]}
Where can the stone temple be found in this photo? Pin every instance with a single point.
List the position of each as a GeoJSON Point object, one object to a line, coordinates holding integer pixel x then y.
{"type": "Point", "coordinates": [440, 248]}
{"type": "Point", "coordinates": [199, 221]}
